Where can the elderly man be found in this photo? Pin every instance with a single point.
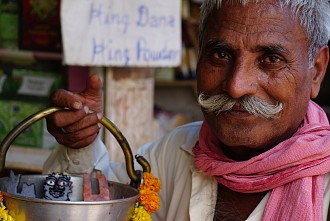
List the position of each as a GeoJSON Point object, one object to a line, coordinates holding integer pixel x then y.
{"type": "Point", "coordinates": [263, 150]}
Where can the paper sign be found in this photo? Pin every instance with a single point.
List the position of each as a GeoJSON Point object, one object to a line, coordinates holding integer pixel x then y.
{"type": "Point", "coordinates": [121, 32]}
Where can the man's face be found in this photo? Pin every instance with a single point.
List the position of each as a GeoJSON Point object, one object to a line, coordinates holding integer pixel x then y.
{"type": "Point", "coordinates": [256, 50]}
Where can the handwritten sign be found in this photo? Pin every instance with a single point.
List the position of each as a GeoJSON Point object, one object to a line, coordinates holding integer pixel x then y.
{"type": "Point", "coordinates": [121, 32]}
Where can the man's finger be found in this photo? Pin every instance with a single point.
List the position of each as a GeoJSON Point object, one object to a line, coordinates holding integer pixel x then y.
{"type": "Point", "coordinates": [67, 117]}
{"type": "Point", "coordinates": [64, 98]}
{"type": "Point", "coordinates": [77, 139]}
{"type": "Point", "coordinates": [90, 120]}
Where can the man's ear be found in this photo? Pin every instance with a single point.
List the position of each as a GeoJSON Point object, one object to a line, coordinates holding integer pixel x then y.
{"type": "Point", "coordinates": [318, 70]}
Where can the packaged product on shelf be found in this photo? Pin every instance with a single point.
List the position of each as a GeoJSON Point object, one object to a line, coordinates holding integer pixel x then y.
{"type": "Point", "coordinates": [9, 24]}
{"type": "Point", "coordinates": [34, 83]}
{"type": "Point", "coordinates": [19, 110]}
{"type": "Point", "coordinates": [4, 83]}
{"type": "Point", "coordinates": [5, 126]}
{"type": "Point", "coordinates": [24, 82]}
{"type": "Point", "coordinates": [13, 112]}
{"type": "Point", "coordinates": [39, 24]}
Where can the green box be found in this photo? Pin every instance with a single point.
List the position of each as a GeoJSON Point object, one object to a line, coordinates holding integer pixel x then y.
{"type": "Point", "coordinates": [5, 126]}
{"type": "Point", "coordinates": [35, 84]}
{"type": "Point", "coordinates": [22, 93]}
{"type": "Point", "coordinates": [14, 112]}
{"type": "Point", "coordinates": [5, 86]}
{"type": "Point", "coordinates": [9, 24]}
{"type": "Point", "coordinates": [32, 136]}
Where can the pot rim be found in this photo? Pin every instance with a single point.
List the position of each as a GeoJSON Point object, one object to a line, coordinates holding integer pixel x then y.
{"type": "Point", "coordinates": [45, 201]}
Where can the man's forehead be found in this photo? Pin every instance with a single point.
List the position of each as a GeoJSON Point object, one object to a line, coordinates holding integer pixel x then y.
{"type": "Point", "coordinates": [244, 26]}
{"type": "Point", "coordinates": [253, 18]}
{"type": "Point", "coordinates": [263, 46]}
{"type": "Point", "coordinates": [254, 7]}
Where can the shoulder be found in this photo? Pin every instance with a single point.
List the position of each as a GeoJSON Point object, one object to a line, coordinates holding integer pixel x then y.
{"type": "Point", "coordinates": [179, 141]}
{"type": "Point", "coordinates": [187, 133]}
{"type": "Point", "coordinates": [183, 137]}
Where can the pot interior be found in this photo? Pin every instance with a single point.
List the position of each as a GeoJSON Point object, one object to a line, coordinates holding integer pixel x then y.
{"type": "Point", "coordinates": [31, 187]}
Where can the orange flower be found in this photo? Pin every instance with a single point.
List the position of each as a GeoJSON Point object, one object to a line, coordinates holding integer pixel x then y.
{"type": "Point", "coordinates": [148, 193]}
{"type": "Point", "coordinates": [150, 200]}
{"type": "Point", "coordinates": [150, 182]}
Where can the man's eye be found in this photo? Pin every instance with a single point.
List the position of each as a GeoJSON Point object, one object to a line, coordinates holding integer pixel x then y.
{"type": "Point", "coordinates": [220, 55]}
{"type": "Point", "coordinates": [273, 59]}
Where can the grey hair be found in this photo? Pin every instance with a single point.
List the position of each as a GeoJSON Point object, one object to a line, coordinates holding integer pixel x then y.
{"type": "Point", "coordinates": [314, 17]}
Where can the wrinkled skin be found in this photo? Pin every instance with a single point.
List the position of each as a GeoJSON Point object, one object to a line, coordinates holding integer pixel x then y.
{"type": "Point", "coordinates": [81, 128]}
{"type": "Point", "coordinates": [249, 51]}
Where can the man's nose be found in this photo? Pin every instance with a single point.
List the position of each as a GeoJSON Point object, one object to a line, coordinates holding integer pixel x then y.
{"type": "Point", "coordinates": [241, 80]}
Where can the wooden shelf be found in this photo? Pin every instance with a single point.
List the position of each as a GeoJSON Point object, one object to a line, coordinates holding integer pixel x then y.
{"type": "Point", "coordinates": [29, 55]}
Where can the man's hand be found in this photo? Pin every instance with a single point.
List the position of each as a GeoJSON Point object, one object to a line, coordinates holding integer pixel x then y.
{"type": "Point", "coordinates": [76, 127]}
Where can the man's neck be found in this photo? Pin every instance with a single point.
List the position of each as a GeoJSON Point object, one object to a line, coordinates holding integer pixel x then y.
{"type": "Point", "coordinates": [234, 206]}
{"type": "Point", "coordinates": [241, 153]}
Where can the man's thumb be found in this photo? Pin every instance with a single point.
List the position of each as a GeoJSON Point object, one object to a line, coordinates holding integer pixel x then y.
{"type": "Point", "coordinates": [93, 86]}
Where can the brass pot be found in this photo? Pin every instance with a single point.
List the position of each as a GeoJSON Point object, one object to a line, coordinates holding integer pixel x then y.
{"type": "Point", "coordinates": [122, 197]}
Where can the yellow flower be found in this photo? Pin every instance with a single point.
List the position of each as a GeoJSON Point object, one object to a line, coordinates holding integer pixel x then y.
{"type": "Point", "coordinates": [4, 216]}
{"type": "Point", "coordinates": [140, 214]}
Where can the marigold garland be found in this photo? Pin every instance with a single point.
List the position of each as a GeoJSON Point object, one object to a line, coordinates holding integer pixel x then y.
{"type": "Point", "coordinates": [4, 216]}
{"type": "Point", "coordinates": [140, 214]}
{"type": "Point", "coordinates": [148, 201]}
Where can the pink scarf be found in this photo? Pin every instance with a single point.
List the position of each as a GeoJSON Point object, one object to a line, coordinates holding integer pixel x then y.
{"type": "Point", "coordinates": [294, 169]}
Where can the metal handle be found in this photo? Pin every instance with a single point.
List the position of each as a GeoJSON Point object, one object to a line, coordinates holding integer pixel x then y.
{"type": "Point", "coordinates": [134, 175]}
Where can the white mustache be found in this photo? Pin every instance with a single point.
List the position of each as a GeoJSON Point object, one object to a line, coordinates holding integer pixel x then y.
{"type": "Point", "coordinates": [252, 104]}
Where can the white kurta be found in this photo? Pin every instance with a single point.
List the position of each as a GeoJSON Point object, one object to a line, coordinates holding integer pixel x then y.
{"type": "Point", "coordinates": [186, 194]}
